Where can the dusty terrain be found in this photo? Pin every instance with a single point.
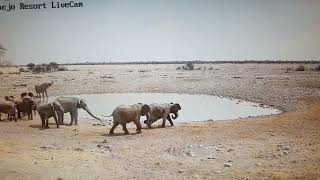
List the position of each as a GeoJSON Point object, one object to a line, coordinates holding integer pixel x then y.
{"type": "Point", "coordinates": [284, 146]}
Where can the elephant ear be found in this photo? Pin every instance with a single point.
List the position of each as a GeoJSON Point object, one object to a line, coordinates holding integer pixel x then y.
{"type": "Point", "coordinates": [57, 106]}
{"type": "Point", "coordinates": [145, 109]}
{"type": "Point", "coordinates": [52, 106]}
{"type": "Point", "coordinates": [81, 103]}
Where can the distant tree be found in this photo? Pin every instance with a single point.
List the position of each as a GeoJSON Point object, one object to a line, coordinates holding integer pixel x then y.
{"type": "Point", "coordinates": [39, 69]}
{"type": "Point", "coordinates": [54, 66]}
{"type": "Point", "coordinates": [31, 66]}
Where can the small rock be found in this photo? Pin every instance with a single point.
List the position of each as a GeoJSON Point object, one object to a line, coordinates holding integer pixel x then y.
{"type": "Point", "coordinates": [230, 150]}
{"type": "Point", "coordinates": [180, 171]}
{"type": "Point", "coordinates": [35, 162]}
{"type": "Point", "coordinates": [227, 165]}
{"type": "Point", "coordinates": [200, 146]}
{"type": "Point", "coordinates": [211, 158]}
{"type": "Point", "coordinates": [217, 172]}
{"type": "Point", "coordinates": [52, 158]}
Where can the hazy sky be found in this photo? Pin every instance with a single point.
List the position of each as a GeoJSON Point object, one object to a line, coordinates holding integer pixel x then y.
{"type": "Point", "coordinates": [141, 30]}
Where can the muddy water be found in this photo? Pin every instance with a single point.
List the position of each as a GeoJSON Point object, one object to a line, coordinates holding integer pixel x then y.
{"type": "Point", "coordinates": [194, 107]}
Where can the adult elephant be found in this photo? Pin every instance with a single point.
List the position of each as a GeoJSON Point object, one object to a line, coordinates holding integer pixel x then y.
{"type": "Point", "coordinates": [124, 114]}
{"type": "Point", "coordinates": [163, 111]}
{"type": "Point", "coordinates": [71, 105]}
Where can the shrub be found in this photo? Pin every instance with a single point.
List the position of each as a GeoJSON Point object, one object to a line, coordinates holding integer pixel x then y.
{"type": "Point", "coordinates": [39, 69]}
{"type": "Point", "coordinates": [62, 68]}
{"type": "Point", "coordinates": [190, 65]}
{"type": "Point", "coordinates": [31, 66]}
{"type": "Point", "coordinates": [1, 72]}
{"type": "Point", "coordinates": [23, 70]}
{"type": "Point", "coordinates": [300, 68]}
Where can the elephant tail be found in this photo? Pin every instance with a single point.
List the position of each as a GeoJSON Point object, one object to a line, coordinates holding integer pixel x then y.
{"type": "Point", "coordinates": [107, 116]}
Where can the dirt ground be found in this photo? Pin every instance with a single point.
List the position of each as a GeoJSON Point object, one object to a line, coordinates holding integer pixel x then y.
{"type": "Point", "coordinates": [284, 146]}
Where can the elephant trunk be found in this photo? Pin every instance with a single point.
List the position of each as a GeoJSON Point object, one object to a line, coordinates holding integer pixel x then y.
{"type": "Point", "coordinates": [89, 112]}
{"type": "Point", "coordinates": [175, 115]}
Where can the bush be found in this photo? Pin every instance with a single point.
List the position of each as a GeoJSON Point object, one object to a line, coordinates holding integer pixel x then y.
{"type": "Point", "coordinates": [31, 66]}
{"type": "Point", "coordinates": [300, 68]}
{"type": "Point", "coordinates": [38, 69]}
{"type": "Point", "coordinates": [62, 68]}
{"type": "Point", "coordinates": [23, 70]}
{"type": "Point", "coordinates": [190, 65]}
{"type": "Point", "coordinates": [1, 72]}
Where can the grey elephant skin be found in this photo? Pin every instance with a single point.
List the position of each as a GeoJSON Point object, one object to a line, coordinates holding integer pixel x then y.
{"type": "Point", "coordinates": [162, 111]}
{"type": "Point", "coordinates": [124, 114]}
{"type": "Point", "coordinates": [8, 107]}
{"type": "Point", "coordinates": [71, 105]}
{"type": "Point", "coordinates": [48, 110]}
{"type": "Point", "coordinates": [25, 105]}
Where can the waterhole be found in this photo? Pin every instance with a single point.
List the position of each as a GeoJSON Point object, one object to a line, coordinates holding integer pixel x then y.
{"type": "Point", "coordinates": [194, 107]}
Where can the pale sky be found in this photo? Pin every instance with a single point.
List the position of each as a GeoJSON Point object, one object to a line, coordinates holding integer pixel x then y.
{"type": "Point", "coordinates": [163, 30]}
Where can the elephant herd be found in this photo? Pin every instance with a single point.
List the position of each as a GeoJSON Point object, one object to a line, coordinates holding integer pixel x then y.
{"type": "Point", "coordinates": [123, 114]}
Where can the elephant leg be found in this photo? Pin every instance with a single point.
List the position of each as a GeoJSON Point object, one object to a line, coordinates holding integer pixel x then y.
{"type": "Point", "coordinates": [71, 116]}
{"type": "Point", "coordinates": [42, 121]}
{"type": "Point", "coordinates": [164, 122]}
{"type": "Point", "coordinates": [56, 119]}
{"type": "Point", "coordinates": [75, 118]}
{"type": "Point", "coordinates": [115, 124]}
{"type": "Point", "coordinates": [170, 120]}
{"type": "Point", "coordinates": [46, 93]}
{"type": "Point", "coordinates": [60, 117]}
{"type": "Point", "coordinates": [47, 122]}
{"type": "Point", "coordinates": [19, 115]}
{"type": "Point", "coordinates": [124, 127]}
{"type": "Point", "coordinates": [138, 126]}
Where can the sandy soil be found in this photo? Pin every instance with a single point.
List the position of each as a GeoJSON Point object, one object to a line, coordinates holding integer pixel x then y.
{"type": "Point", "coordinates": [284, 146]}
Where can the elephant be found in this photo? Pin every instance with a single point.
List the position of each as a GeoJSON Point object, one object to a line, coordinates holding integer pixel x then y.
{"type": "Point", "coordinates": [42, 88]}
{"type": "Point", "coordinates": [48, 110]}
{"type": "Point", "coordinates": [124, 114]}
{"type": "Point", "coordinates": [8, 107]}
{"type": "Point", "coordinates": [163, 111]}
{"type": "Point", "coordinates": [71, 105]}
{"type": "Point", "coordinates": [25, 105]}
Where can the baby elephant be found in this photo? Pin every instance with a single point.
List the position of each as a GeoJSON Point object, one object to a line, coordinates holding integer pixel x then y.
{"type": "Point", "coordinates": [48, 110]}
{"type": "Point", "coordinates": [163, 111]}
{"type": "Point", "coordinates": [124, 114]}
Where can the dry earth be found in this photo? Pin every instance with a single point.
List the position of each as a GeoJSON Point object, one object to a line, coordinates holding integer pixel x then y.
{"type": "Point", "coordinates": [284, 146]}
